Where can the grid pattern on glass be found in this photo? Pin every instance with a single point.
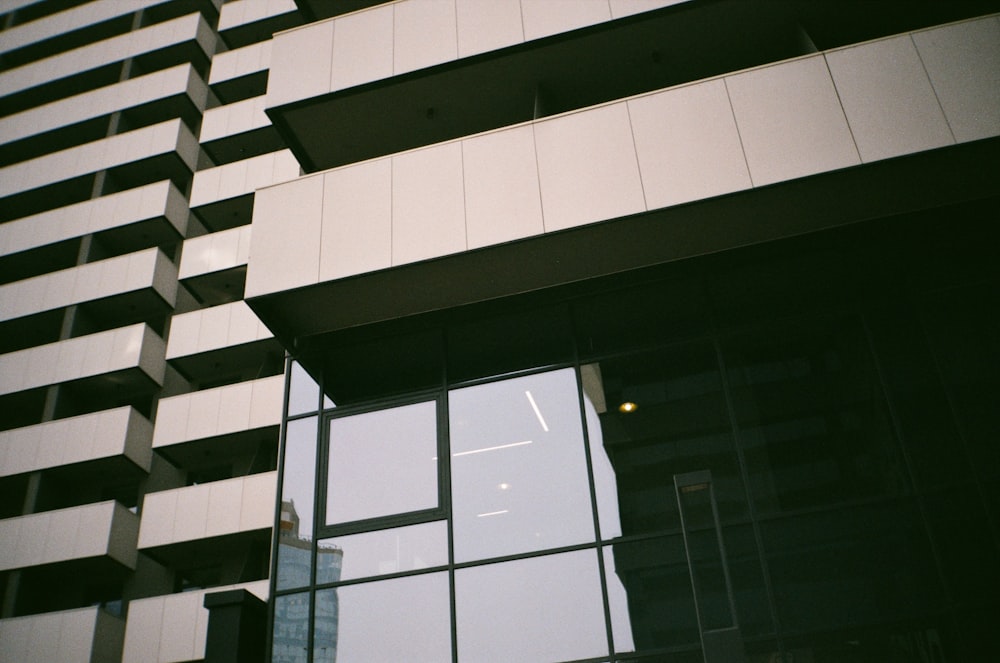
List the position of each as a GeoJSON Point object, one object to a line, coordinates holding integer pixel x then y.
{"type": "Point", "coordinates": [382, 463]}
{"type": "Point", "coordinates": [518, 466]}
{"type": "Point", "coordinates": [294, 553]}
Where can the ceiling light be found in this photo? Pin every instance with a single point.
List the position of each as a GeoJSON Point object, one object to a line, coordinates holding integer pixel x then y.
{"type": "Point", "coordinates": [627, 407]}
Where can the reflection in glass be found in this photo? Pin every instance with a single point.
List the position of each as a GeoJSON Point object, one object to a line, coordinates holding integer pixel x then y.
{"type": "Point", "coordinates": [290, 638]}
{"type": "Point", "coordinates": [382, 463]}
{"type": "Point", "coordinates": [303, 392]}
{"type": "Point", "coordinates": [389, 551]}
{"type": "Point", "coordinates": [296, 523]}
{"type": "Point", "coordinates": [649, 593]}
{"type": "Point", "coordinates": [518, 469]}
{"type": "Point", "coordinates": [812, 420]}
{"type": "Point", "coordinates": [545, 608]}
{"type": "Point", "coordinates": [680, 424]}
{"type": "Point", "coordinates": [404, 619]}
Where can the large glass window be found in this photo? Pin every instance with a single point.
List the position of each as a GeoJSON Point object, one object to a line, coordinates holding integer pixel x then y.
{"type": "Point", "coordinates": [518, 466]}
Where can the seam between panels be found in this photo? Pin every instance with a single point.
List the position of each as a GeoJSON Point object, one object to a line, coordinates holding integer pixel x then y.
{"type": "Point", "coordinates": [635, 152]}
{"type": "Point", "coordinates": [843, 111]}
{"type": "Point", "coordinates": [739, 135]}
{"type": "Point", "coordinates": [937, 98]}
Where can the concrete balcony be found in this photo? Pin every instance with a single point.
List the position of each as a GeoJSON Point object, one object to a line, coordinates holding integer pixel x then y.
{"type": "Point", "coordinates": [142, 280]}
{"type": "Point", "coordinates": [213, 267]}
{"type": "Point", "coordinates": [189, 30]}
{"type": "Point", "coordinates": [105, 439]}
{"type": "Point", "coordinates": [221, 508]}
{"type": "Point", "coordinates": [241, 73]}
{"type": "Point", "coordinates": [238, 130]}
{"type": "Point", "coordinates": [173, 92]}
{"type": "Point", "coordinates": [221, 411]}
{"type": "Point", "coordinates": [86, 635]}
{"type": "Point", "coordinates": [157, 212]}
{"type": "Point", "coordinates": [129, 358]}
{"type": "Point", "coordinates": [206, 342]}
{"type": "Point", "coordinates": [167, 146]}
{"type": "Point", "coordinates": [222, 197]}
{"type": "Point", "coordinates": [105, 530]}
{"type": "Point", "coordinates": [359, 236]}
{"type": "Point", "coordinates": [246, 21]}
{"type": "Point", "coordinates": [168, 629]}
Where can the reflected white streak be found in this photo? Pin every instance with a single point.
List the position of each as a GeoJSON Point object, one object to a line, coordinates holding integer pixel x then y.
{"type": "Point", "coordinates": [491, 513]}
{"type": "Point", "coordinates": [538, 413]}
{"type": "Point", "coordinates": [501, 446]}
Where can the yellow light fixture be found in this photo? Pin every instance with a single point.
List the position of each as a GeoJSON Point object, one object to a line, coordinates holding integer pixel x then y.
{"type": "Point", "coordinates": [627, 407]}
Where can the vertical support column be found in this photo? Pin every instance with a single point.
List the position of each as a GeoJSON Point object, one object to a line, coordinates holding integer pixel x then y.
{"type": "Point", "coordinates": [236, 627]}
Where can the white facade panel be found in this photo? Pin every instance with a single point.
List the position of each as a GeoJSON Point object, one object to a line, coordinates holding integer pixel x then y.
{"type": "Point", "coordinates": [687, 144]}
{"type": "Point", "coordinates": [502, 199]}
{"type": "Point", "coordinates": [244, 12]}
{"type": "Point", "coordinates": [158, 139]}
{"type": "Point", "coordinates": [240, 178]}
{"type": "Point", "coordinates": [108, 51]}
{"type": "Point", "coordinates": [153, 636]}
{"type": "Point", "coordinates": [963, 62]}
{"type": "Point", "coordinates": [80, 532]}
{"type": "Point", "coordinates": [213, 328]}
{"type": "Point", "coordinates": [487, 26]}
{"type": "Point", "coordinates": [889, 102]}
{"type": "Point", "coordinates": [135, 346]}
{"type": "Point", "coordinates": [428, 204]}
{"type": "Point", "coordinates": [219, 411]}
{"type": "Point", "coordinates": [234, 119]}
{"type": "Point", "coordinates": [215, 252]}
{"type": "Point", "coordinates": [300, 205]}
{"type": "Point", "coordinates": [104, 278]}
{"type": "Point", "coordinates": [67, 636]}
{"type": "Point", "coordinates": [587, 167]}
{"type": "Point", "coordinates": [182, 514]}
{"type": "Point", "coordinates": [356, 234]}
{"type": "Point", "coordinates": [548, 17]}
{"type": "Point", "coordinates": [240, 62]}
{"type": "Point", "coordinates": [790, 121]}
{"type": "Point", "coordinates": [362, 48]}
{"type": "Point", "coordinates": [424, 34]}
{"type": "Point", "coordinates": [309, 55]}
{"type": "Point", "coordinates": [121, 431]}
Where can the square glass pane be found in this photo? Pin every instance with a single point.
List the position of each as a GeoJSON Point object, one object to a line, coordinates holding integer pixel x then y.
{"type": "Point", "coordinates": [403, 619]}
{"type": "Point", "coordinates": [382, 463]}
{"type": "Point", "coordinates": [518, 467]}
{"type": "Point", "coordinates": [539, 609]}
{"type": "Point", "coordinates": [387, 551]}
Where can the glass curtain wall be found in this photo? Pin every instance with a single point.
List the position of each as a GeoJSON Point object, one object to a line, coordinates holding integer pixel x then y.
{"type": "Point", "coordinates": [663, 472]}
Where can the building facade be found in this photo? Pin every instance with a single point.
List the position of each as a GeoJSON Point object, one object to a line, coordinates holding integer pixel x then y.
{"type": "Point", "coordinates": [527, 330]}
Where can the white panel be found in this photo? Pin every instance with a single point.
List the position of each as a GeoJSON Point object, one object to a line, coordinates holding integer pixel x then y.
{"type": "Point", "coordinates": [487, 26]}
{"type": "Point", "coordinates": [225, 502]}
{"type": "Point", "coordinates": [300, 64]}
{"type": "Point", "coordinates": [424, 34]}
{"type": "Point", "coordinates": [547, 17]}
{"type": "Point", "coordinates": [963, 61]}
{"type": "Point", "coordinates": [621, 8]}
{"type": "Point", "coordinates": [259, 491]}
{"type": "Point", "coordinates": [184, 332]}
{"type": "Point", "coordinates": [687, 144]}
{"type": "Point", "coordinates": [244, 325]}
{"type": "Point", "coordinates": [790, 121]}
{"type": "Point", "coordinates": [234, 407]}
{"type": "Point", "coordinates": [192, 513]}
{"type": "Point", "coordinates": [265, 404]}
{"type": "Point", "coordinates": [159, 510]}
{"type": "Point", "coordinates": [76, 633]}
{"type": "Point", "coordinates": [890, 105]}
{"type": "Point", "coordinates": [587, 167]}
{"type": "Point", "coordinates": [428, 207]}
{"type": "Point", "coordinates": [286, 233]}
{"type": "Point", "coordinates": [214, 328]}
{"type": "Point", "coordinates": [502, 199]}
{"type": "Point", "coordinates": [171, 420]}
{"type": "Point", "coordinates": [142, 631]}
{"type": "Point", "coordinates": [357, 220]}
{"type": "Point", "coordinates": [203, 418]}
{"type": "Point", "coordinates": [362, 48]}
{"type": "Point", "coordinates": [180, 616]}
